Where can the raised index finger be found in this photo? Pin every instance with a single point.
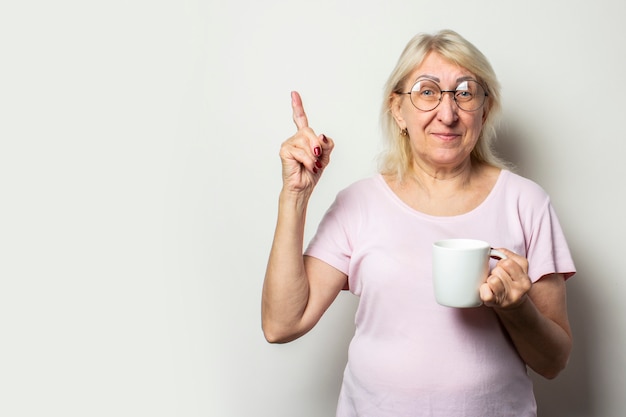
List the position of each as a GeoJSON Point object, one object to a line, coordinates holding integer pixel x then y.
{"type": "Point", "coordinates": [299, 116]}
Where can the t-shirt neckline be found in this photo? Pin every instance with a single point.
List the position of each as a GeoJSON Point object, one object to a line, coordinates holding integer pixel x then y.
{"type": "Point", "coordinates": [399, 202]}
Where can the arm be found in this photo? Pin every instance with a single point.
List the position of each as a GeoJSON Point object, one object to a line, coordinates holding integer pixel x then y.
{"type": "Point", "coordinates": [534, 315]}
{"type": "Point", "coordinates": [297, 290]}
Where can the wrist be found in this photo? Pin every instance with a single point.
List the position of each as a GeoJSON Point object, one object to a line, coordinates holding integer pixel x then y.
{"type": "Point", "coordinates": [293, 199]}
{"type": "Point", "coordinates": [516, 309]}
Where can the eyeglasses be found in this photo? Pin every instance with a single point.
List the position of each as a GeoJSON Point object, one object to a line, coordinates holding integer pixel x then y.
{"type": "Point", "coordinates": [426, 95]}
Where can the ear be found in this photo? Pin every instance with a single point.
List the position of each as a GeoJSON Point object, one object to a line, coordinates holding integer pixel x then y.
{"type": "Point", "coordinates": [486, 108]}
{"type": "Point", "coordinates": [395, 104]}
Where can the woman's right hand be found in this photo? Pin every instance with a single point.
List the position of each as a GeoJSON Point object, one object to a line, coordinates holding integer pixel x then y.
{"type": "Point", "coordinates": [297, 289]}
{"type": "Point", "coordinates": [304, 155]}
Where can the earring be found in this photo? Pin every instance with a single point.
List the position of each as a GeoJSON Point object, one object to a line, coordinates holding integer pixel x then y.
{"type": "Point", "coordinates": [404, 132]}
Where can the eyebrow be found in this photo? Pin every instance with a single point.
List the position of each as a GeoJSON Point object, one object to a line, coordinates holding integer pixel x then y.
{"type": "Point", "coordinates": [432, 77]}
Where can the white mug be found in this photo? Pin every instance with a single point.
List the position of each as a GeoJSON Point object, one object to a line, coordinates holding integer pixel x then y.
{"type": "Point", "coordinates": [460, 267]}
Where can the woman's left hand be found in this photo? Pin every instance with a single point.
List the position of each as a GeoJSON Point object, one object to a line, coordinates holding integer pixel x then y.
{"type": "Point", "coordinates": [508, 285]}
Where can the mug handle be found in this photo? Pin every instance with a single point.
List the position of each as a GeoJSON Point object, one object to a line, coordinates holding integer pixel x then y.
{"type": "Point", "coordinates": [494, 253]}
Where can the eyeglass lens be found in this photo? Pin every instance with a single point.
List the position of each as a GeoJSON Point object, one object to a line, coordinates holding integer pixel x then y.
{"type": "Point", "coordinates": [469, 95]}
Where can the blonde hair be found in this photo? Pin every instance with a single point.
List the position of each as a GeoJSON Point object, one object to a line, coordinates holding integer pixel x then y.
{"type": "Point", "coordinates": [397, 157]}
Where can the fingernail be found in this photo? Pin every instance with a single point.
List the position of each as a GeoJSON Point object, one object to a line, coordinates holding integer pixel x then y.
{"type": "Point", "coordinates": [317, 151]}
{"type": "Point", "coordinates": [318, 164]}
{"type": "Point", "coordinates": [324, 138]}
{"type": "Point", "coordinates": [314, 170]}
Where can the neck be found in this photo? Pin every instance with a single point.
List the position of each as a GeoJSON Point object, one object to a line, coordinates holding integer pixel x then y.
{"type": "Point", "coordinates": [427, 175]}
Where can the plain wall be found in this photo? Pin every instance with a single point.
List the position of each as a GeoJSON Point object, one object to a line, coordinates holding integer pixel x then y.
{"type": "Point", "coordinates": [139, 176]}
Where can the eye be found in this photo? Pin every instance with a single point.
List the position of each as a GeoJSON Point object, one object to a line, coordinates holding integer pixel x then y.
{"type": "Point", "coordinates": [426, 90]}
{"type": "Point", "coordinates": [466, 90]}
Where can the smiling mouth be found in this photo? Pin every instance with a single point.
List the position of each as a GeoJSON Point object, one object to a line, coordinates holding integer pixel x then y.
{"type": "Point", "coordinates": [446, 136]}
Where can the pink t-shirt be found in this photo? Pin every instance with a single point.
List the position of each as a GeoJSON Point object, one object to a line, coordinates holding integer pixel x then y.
{"type": "Point", "coordinates": [410, 356]}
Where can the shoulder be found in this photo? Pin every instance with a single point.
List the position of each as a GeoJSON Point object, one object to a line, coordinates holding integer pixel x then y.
{"type": "Point", "coordinates": [522, 196]}
{"type": "Point", "coordinates": [360, 196]}
{"type": "Point", "coordinates": [525, 187]}
{"type": "Point", "coordinates": [362, 188]}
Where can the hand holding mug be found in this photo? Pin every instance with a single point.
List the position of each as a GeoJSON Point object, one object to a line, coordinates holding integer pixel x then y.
{"type": "Point", "coordinates": [508, 284]}
{"type": "Point", "coordinates": [460, 267]}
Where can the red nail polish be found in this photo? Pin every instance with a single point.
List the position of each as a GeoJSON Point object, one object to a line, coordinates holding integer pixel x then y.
{"type": "Point", "coordinates": [314, 170]}
{"type": "Point", "coordinates": [318, 164]}
{"type": "Point", "coordinates": [317, 151]}
{"type": "Point", "coordinates": [324, 138]}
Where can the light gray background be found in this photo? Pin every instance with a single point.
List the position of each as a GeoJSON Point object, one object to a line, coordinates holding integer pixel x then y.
{"type": "Point", "coordinates": [139, 175]}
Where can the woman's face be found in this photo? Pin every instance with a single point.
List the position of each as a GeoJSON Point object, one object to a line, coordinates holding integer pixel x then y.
{"type": "Point", "coordinates": [442, 138]}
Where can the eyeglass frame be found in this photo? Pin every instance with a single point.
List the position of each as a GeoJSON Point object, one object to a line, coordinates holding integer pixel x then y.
{"type": "Point", "coordinates": [442, 92]}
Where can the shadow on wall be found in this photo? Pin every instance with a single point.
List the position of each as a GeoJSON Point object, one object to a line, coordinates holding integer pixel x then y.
{"type": "Point", "coordinates": [570, 394]}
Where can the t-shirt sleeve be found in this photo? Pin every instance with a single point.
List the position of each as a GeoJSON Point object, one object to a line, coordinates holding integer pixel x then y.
{"type": "Point", "coordinates": [331, 243]}
{"type": "Point", "coordinates": [548, 251]}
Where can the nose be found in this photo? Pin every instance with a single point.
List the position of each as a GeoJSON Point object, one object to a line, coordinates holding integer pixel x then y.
{"type": "Point", "coordinates": [447, 111]}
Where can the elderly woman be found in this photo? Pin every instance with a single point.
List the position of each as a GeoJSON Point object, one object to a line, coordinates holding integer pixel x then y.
{"type": "Point", "coordinates": [439, 179]}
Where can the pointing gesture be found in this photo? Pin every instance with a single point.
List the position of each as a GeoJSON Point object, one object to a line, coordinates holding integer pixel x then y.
{"type": "Point", "coordinates": [305, 154]}
{"type": "Point", "coordinates": [299, 116]}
